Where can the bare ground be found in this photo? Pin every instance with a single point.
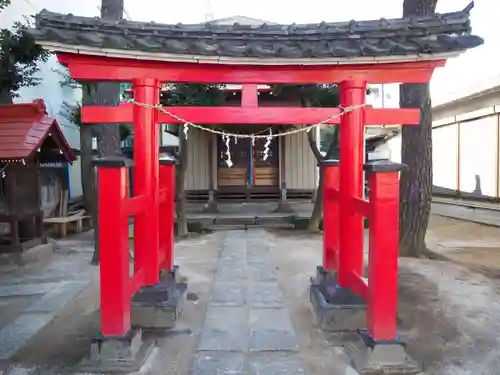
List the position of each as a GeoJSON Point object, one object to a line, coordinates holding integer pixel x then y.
{"type": "Point", "coordinates": [475, 246]}
{"type": "Point", "coordinates": [448, 314]}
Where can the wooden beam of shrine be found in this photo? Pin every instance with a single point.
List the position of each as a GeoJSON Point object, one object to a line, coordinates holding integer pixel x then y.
{"type": "Point", "coordinates": [249, 115]}
{"type": "Point", "coordinates": [95, 68]}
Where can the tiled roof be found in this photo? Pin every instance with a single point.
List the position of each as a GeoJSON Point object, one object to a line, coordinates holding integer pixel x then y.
{"type": "Point", "coordinates": [430, 35]}
{"type": "Point", "coordinates": [242, 20]}
{"type": "Point", "coordinates": [25, 127]}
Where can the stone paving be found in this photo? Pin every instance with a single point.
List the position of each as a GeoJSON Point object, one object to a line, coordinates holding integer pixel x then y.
{"type": "Point", "coordinates": [44, 290]}
{"type": "Point", "coordinates": [247, 328]}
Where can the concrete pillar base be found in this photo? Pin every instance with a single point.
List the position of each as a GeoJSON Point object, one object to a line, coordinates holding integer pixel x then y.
{"type": "Point", "coordinates": [159, 306]}
{"type": "Point", "coordinates": [337, 309]}
{"type": "Point", "coordinates": [323, 275]}
{"type": "Point", "coordinates": [118, 354]}
{"type": "Point", "coordinates": [381, 358]}
{"type": "Point", "coordinates": [173, 274]}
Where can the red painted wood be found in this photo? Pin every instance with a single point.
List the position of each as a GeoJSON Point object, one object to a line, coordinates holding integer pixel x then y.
{"type": "Point", "coordinates": [352, 144]}
{"type": "Point", "coordinates": [135, 205]}
{"type": "Point", "coordinates": [330, 218]}
{"type": "Point", "coordinates": [249, 96]}
{"type": "Point", "coordinates": [358, 285]}
{"type": "Point", "coordinates": [98, 68]}
{"type": "Point", "coordinates": [242, 115]}
{"type": "Point", "coordinates": [167, 214]}
{"type": "Point", "coordinates": [383, 255]}
{"type": "Point", "coordinates": [361, 206]}
{"type": "Point", "coordinates": [146, 179]}
{"type": "Point", "coordinates": [137, 282]}
{"type": "Point", "coordinates": [114, 256]}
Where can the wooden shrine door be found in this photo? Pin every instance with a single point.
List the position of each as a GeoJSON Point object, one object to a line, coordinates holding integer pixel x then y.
{"type": "Point", "coordinates": [237, 174]}
{"type": "Point", "coordinates": [248, 168]}
{"type": "Point", "coordinates": [266, 172]}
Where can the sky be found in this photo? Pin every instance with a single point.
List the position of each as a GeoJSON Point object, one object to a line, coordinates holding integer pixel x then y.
{"type": "Point", "coordinates": [461, 75]}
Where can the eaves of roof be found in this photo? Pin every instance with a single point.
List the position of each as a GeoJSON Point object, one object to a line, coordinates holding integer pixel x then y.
{"type": "Point", "coordinates": [361, 42]}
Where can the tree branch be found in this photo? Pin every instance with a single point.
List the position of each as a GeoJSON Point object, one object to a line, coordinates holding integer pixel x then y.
{"type": "Point", "coordinates": [314, 146]}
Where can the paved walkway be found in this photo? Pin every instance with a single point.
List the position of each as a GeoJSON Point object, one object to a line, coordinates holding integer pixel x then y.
{"type": "Point", "coordinates": [32, 296]}
{"type": "Point", "coordinates": [247, 328]}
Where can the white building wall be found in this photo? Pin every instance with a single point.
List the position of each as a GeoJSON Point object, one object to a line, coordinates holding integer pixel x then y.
{"type": "Point", "coordinates": [384, 95]}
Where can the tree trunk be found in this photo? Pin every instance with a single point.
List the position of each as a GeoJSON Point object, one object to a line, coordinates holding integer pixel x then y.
{"type": "Point", "coordinates": [5, 97]}
{"type": "Point", "coordinates": [108, 93]}
{"type": "Point", "coordinates": [180, 178]}
{"type": "Point", "coordinates": [416, 152]}
{"type": "Point", "coordinates": [108, 135]}
{"type": "Point", "coordinates": [317, 213]}
{"type": "Point", "coordinates": [88, 175]}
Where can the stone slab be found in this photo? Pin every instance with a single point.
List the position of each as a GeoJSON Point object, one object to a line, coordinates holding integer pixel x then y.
{"type": "Point", "coordinates": [264, 294]}
{"type": "Point", "coordinates": [227, 294]}
{"type": "Point", "coordinates": [271, 330]}
{"type": "Point", "coordinates": [224, 329]}
{"type": "Point", "coordinates": [275, 364]}
{"type": "Point", "coordinates": [230, 273]}
{"type": "Point", "coordinates": [218, 363]}
{"type": "Point", "coordinates": [58, 297]}
{"type": "Point", "coordinates": [15, 335]}
{"type": "Point", "coordinates": [261, 272]}
{"type": "Point", "coordinates": [27, 289]}
{"type": "Point", "coordinates": [228, 258]}
{"type": "Point", "coordinates": [259, 253]}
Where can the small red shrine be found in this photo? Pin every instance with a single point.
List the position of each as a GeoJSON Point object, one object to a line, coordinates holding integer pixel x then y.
{"type": "Point", "coordinates": [29, 138]}
{"type": "Point", "coordinates": [351, 54]}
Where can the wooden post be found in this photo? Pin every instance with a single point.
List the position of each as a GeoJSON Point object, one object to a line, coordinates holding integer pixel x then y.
{"type": "Point", "coordinates": [146, 178]}
{"type": "Point", "coordinates": [330, 214]}
{"type": "Point", "coordinates": [167, 212]}
{"type": "Point", "coordinates": [113, 190]}
{"type": "Point", "coordinates": [382, 301]}
{"type": "Point", "coordinates": [352, 93]}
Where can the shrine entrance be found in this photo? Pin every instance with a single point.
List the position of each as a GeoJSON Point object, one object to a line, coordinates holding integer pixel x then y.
{"type": "Point", "coordinates": [247, 167]}
{"type": "Point", "coordinates": [368, 52]}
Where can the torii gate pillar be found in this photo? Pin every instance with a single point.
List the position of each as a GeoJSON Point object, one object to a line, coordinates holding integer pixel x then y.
{"type": "Point", "coordinates": [343, 298]}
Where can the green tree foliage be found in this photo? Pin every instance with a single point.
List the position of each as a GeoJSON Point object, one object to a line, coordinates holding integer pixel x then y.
{"type": "Point", "coordinates": [19, 58]}
{"type": "Point", "coordinates": [193, 94]}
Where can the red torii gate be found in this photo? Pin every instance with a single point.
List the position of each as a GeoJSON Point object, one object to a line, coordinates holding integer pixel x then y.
{"type": "Point", "coordinates": [153, 181]}
{"type": "Point", "coordinates": [152, 202]}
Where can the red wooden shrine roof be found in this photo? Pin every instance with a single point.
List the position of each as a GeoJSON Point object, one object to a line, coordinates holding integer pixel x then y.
{"type": "Point", "coordinates": [24, 128]}
{"type": "Point", "coordinates": [437, 36]}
